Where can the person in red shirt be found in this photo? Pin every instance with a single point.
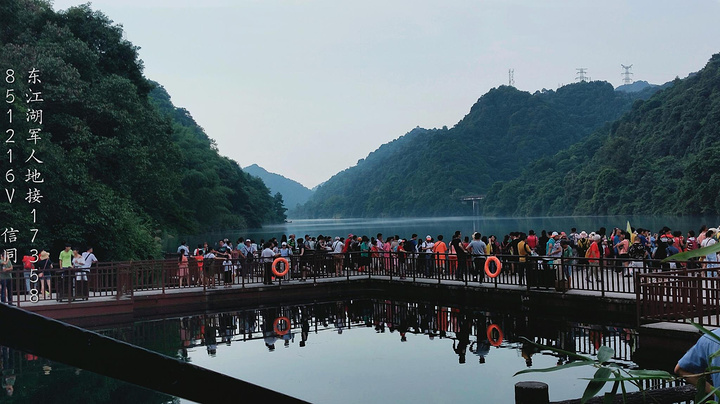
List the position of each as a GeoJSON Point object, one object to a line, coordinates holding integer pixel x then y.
{"type": "Point", "coordinates": [531, 240]}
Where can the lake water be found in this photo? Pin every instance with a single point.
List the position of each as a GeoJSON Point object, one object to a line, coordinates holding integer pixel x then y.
{"type": "Point", "coordinates": [405, 227]}
{"type": "Point", "coordinates": [350, 351]}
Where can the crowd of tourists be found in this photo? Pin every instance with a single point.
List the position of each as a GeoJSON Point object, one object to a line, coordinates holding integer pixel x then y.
{"type": "Point", "coordinates": [40, 269]}
{"type": "Point", "coordinates": [461, 256]}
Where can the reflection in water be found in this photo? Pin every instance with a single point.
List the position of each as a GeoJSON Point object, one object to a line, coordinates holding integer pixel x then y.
{"type": "Point", "coordinates": [470, 330]}
{"type": "Point", "coordinates": [468, 336]}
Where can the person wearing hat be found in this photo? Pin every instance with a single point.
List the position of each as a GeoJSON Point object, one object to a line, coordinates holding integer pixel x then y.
{"type": "Point", "coordinates": [44, 267]}
{"type": "Point", "coordinates": [286, 252]}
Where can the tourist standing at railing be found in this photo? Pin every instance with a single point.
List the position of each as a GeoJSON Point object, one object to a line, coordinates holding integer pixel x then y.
{"type": "Point", "coordinates": [524, 251]}
{"type": "Point", "coordinates": [711, 259]}
{"type": "Point", "coordinates": [267, 256]}
{"type": "Point", "coordinates": [364, 253]}
{"type": "Point", "coordinates": [439, 251]}
{"type": "Point", "coordinates": [28, 266]}
{"type": "Point", "coordinates": [566, 263]}
{"type": "Point", "coordinates": [552, 248]}
{"type": "Point", "coordinates": [337, 251]}
{"type": "Point", "coordinates": [622, 248]}
{"type": "Point", "coordinates": [66, 257]}
{"type": "Point", "coordinates": [88, 260]}
{"type": "Point", "coordinates": [427, 248]}
{"type": "Point", "coordinates": [477, 249]}
{"type": "Point", "coordinates": [532, 240]}
{"type": "Point", "coordinates": [461, 256]}
{"type": "Point", "coordinates": [244, 251]}
{"type": "Point", "coordinates": [6, 267]}
{"type": "Point", "coordinates": [45, 267]}
{"type": "Point", "coordinates": [209, 269]}
{"type": "Point", "coordinates": [183, 249]}
{"type": "Point", "coordinates": [637, 253]}
{"type": "Point", "coordinates": [593, 255]}
{"type": "Point", "coordinates": [183, 270]}
{"type": "Point", "coordinates": [542, 242]}
{"type": "Point", "coordinates": [692, 244]}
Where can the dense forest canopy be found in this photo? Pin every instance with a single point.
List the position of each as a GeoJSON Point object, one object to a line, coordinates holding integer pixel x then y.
{"type": "Point", "coordinates": [660, 158]}
{"type": "Point", "coordinates": [426, 172]}
{"type": "Point", "coordinates": [121, 165]}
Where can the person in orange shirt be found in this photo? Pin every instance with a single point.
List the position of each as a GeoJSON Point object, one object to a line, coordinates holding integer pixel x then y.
{"type": "Point", "coordinates": [593, 255]}
{"type": "Point", "coordinates": [440, 250]}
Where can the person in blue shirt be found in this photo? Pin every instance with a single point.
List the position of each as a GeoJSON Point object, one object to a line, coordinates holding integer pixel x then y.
{"type": "Point", "coordinates": [697, 360]}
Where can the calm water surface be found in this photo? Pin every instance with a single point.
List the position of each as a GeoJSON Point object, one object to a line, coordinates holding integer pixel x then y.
{"type": "Point", "coordinates": [405, 227]}
{"type": "Point", "coordinates": [352, 351]}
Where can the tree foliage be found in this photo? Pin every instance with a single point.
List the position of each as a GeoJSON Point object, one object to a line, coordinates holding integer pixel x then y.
{"type": "Point", "coordinates": [120, 169]}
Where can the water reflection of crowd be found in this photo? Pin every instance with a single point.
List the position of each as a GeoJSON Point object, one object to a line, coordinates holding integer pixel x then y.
{"type": "Point", "coordinates": [470, 330]}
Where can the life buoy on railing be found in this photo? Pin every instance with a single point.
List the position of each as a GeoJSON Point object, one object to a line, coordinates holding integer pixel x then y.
{"type": "Point", "coordinates": [274, 264]}
{"type": "Point", "coordinates": [494, 341]}
{"type": "Point", "coordinates": [276, 325]}
{"type": "Point", "coordinates": [498, 266]}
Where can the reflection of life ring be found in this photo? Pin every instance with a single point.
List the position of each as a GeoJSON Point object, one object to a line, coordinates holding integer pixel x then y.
{"type": "Point", "coordinates": [494, 341]}
{"type": "Point", "coordinates": [498, 265]}
{"type": "Point", "coordinates": [274, 264]}
{"type": "Point", "coordinates": [277, 323]}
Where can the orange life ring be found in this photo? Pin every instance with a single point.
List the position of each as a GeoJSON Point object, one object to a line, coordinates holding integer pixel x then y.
{"type": "Point", "coordinates": [498, 265]}
{"type": "Point", "coordinates": [493, 341]}
{"type": "Point", "coordinates": [287, 267]}
{"type": "Point", "coordinates": [276, 323]}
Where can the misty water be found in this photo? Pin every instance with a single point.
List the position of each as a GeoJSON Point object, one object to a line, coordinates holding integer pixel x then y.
{"type": "Point", "coordinates": [405, 227]}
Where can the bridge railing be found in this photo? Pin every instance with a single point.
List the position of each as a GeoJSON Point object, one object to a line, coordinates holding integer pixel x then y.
{"type": "Point", "coordinates": [682, 296]}
{"type": "Point", "coordinates": [118, 279]}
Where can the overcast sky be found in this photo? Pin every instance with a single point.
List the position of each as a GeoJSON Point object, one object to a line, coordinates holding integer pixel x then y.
{"type": "Point", "coordinates": [305, 88]}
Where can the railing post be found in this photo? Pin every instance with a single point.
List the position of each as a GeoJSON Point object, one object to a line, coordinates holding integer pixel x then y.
{"type": "Point", "coordinates": [602, 275]}
{"type": "Point", "coordinates": [531, 393]}
{"type": "Point", "coordinates": [636, 280]}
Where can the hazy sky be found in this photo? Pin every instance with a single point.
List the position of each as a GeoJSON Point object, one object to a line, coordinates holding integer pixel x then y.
{"type": "Point", "coordinates": [305, 88]}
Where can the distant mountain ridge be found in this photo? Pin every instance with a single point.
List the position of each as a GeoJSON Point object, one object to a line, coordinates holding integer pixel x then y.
{"type": "Point", "coordinates": [427, 171]}
{"type": "Point", "coordinates": [293, 192]}
{"type": "Point", "coordinates": [659, 158]}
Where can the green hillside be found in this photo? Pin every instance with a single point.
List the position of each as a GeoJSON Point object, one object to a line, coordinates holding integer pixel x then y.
{"type": "Point", "coordinates": [659, 158]}
{"type": "Point", "coordinates": [119, 169]}
{"type": "Point", "coordinates": [426, 172]}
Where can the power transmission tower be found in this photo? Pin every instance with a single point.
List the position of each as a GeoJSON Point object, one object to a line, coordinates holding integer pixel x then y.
{"type": "Point", "coordinates": [626, 75]}
{"type": "Point", "coordinates": [511, 77]}
{"type": "Point", "coordinates": [581, 74]}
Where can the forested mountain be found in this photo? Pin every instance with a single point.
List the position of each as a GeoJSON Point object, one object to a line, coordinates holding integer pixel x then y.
{"type": "Point", "coordinates": [293, 192]}
{"type": "Point", "coordinates": [660, 158]}
{"type": "Point", "coordinates": [426, 172]}
{"type": "Point", "coordinates": [118, 170]}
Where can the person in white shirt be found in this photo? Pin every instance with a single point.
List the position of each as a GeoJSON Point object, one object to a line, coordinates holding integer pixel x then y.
{"type": "Point", "coordinates": [86, 260]}
{"type": "Point", "coordinates": [427, 248]}
{"type": "Point", "coordinates": [267, 256]}
{"type": "Point", "coordinates": [338, 256]}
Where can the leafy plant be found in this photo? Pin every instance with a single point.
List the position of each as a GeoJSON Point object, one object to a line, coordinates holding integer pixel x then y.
{"type": "Point", "coordinates": [606, 372]}
{"type": "Point", "coordinates": [611, 372]}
